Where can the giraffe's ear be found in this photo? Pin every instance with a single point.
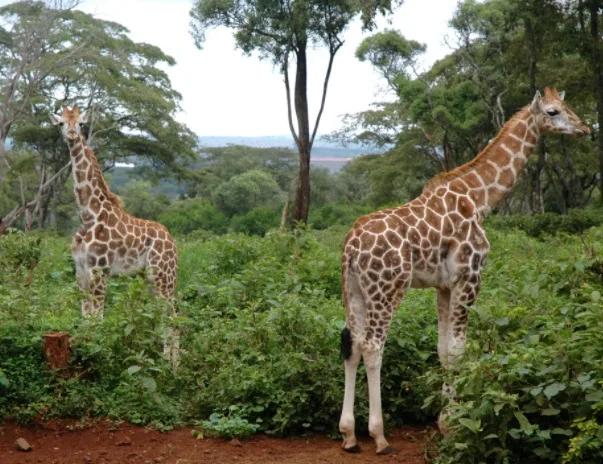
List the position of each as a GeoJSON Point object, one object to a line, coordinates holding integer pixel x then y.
{"type": "Point", "coordinates": [562, 95]}
{"type": "Point", "coordinates": [84, 117]}
{"type": "Point", "coordinates": [55, 119]}
{"type": "Point", "coordinates": [535, 107]}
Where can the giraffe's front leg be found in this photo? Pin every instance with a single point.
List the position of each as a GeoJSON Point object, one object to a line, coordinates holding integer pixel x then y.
{"type": "Point", "coordinates": [452, 327]}
{"type": "Point", "coordinates": [94, 299]}
{"type": "Point", "coordinates": [163, 280]}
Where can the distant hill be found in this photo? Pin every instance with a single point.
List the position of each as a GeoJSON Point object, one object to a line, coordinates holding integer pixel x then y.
{"type": "Point", "coordinates": [321, 148]}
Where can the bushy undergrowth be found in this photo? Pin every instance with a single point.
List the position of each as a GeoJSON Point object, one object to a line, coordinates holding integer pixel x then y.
{"type": "Point", "coordinates": [539, 225]}
{"type": "Point", "coordinates": [261, 321]}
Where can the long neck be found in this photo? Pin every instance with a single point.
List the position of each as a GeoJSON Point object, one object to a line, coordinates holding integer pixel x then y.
{"type": "Point", "coordinates": [492, 174]}
{"type": "Point", "coordinates": [91, 190]}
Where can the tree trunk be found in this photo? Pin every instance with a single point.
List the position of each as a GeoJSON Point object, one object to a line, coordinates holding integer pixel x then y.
{"type": "Point", "coordinates": [2, 162]}
{"type": "Point", "coordinates": [598, 76]}
{"type": "Point", "coordinates": [536, 201]}
{"type": "Point", "coordinates": [304, 146]}
{"type": "Point", "coordinates": [57, 350]}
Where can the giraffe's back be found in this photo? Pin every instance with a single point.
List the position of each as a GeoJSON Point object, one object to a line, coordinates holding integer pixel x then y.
{"type": "Point", "coordinates": [430, 241]}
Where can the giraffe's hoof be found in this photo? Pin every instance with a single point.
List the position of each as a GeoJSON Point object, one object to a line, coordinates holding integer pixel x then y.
{"type": "Point", "coordinates": [352, 449]}
{"type": "Point", "coordinates": [387, 450]}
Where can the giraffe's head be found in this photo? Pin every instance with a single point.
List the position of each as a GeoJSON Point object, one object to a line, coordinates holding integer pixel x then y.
{"type": "Point", "coordinates": [552, 114]}
{"type": "Point", "coordinates": [70, 122]}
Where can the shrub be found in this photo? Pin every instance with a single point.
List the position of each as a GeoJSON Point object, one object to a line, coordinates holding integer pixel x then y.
{"type": "Point", "coordinates": [336, 214]}
{"type": "Point", "coordinates": [576, 221]}
{"type": "Point", "coordinates": [247, 191]}
{"type": "Point", "coordinates": [258, 221]}
{"type": "Point", "coordinates": [185, 216]}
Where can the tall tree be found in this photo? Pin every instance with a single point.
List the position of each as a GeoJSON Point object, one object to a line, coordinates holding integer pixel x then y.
{"type": "Point", "coordinates": [282, 31]}
{"type": "Point", "coordinates": [133, 104]}
{"type": "Point", "coordinates": [33, 44]}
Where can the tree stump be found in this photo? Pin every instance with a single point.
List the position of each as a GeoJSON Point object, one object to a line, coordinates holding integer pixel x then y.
{"type": "Point", "coordinates": [57, 350]}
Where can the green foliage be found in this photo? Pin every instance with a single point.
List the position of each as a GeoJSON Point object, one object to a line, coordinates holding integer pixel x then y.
{"type": "Point", "coordinates": [576, 221]}
{"type": "Point", "coordinates": [186, 216]}
{"type": "Point", "coordinates": [247, 191]}
{"type": "Point", "coordinates": [532, 373]}
{"type": "Point", "coordinates": [258, 221]}
{"type": "Point", "coordinates": [231, 426]}
{"type": "Point", "coordinates": [336, 214]}
{"type": "Point", "coordinates": [20, 254]}
{"type": "Point", "coordinates": [261, 320]}
{"type": "Point", "coordinates": [141, 202]}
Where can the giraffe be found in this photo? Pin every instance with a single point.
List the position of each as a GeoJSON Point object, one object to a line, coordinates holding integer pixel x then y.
{"type": "Point", "coordinates": [110, 241]}
{"type": "Point", "coordinates": [436, 240]}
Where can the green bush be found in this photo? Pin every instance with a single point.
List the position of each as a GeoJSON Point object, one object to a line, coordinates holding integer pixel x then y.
{"type": "Point", "coordinates": [261, 319]}
{"type": "Point", "coordinates": [185, 216]}
{"type": "Point", "coordinates": [336, 214]}
{"type": "Point", "coordinates": [258, 221]}
{"type": "Point", "coordinates": [575, 222]}
{"type": "Point", "coordinates": [532, 375]}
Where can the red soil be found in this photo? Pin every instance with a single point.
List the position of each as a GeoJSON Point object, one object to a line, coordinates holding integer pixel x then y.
{"type": "Point", "coordinates": [66, 442]}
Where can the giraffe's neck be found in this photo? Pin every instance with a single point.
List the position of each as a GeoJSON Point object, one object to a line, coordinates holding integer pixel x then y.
{"type": "Point", "coordinates": [91, 191]}
{"type": "Point", "coordinates": [492, 174]}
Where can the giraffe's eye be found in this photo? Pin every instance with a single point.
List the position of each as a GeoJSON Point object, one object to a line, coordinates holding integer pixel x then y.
{"type": "Point", "coordinates": [61, 124]}
{"type": "Point", "coordinates": [552, 112]}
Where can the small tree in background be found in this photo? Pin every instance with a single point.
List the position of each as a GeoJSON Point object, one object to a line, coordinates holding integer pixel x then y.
{"type": "Point", "coordinates": [282, 31]}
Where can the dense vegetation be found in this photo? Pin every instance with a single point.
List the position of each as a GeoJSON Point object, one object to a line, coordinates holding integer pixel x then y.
{"type": "Point", "coordinates": [261, 310]}
{"type": "Point", "coordinates": [262, 318]}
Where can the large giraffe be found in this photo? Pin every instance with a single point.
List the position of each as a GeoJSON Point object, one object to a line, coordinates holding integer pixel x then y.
{"type": "Point", "coordinates": [110, 241]}
{"type": "Point", "coordinates": [436, 240]}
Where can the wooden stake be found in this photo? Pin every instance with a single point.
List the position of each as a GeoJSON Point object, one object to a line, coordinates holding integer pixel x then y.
{"type": "Point", "coordinates": [57, 350]}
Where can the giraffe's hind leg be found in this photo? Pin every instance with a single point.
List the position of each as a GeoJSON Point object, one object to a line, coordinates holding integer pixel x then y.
{"type": "Point", "coordinates": [372, 308]}
{"type": "Point", "coordinates": [351, 349]}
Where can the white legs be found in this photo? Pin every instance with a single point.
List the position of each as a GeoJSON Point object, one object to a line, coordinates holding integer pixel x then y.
{"type": "Point", "coordinates": [347, 423]}
{"type": "Point", "coordinates": [372, 362]}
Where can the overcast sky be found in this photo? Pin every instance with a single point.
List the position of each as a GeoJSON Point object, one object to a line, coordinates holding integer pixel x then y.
{"type": "Point", "coordinates": [227, 93]}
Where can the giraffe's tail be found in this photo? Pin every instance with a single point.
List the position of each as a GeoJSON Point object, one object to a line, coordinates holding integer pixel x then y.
{"type": "Point", "coordinates": [346, 343]}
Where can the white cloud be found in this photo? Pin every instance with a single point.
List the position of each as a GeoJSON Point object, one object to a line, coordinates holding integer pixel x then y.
{"type": "Point", "coordinates": [226, 93]}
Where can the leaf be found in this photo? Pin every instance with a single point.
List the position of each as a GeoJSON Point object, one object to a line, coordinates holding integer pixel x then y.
{"type": "Point", "coordinates": [594, 396]}
{"type": "Point", "coordinates": [524, 423]}
{"type": "Point", "coordinates": [595, 296]}
{"type": "Point", "coordinates": [128, 330]}
{"type": "Point", "coordinates": [470, 424]}
{"type": "Point", "coordinates": [550, 412]}
{"type": "Point", "coordinates": [553, 389]}
{"type": "Point", "coordinates": [489, 437]}
{"type": "Point", "coordinates": [502, 322]}
{"type": "Point", "coordinates": [559, 431]}
{"type": "Point", "coordinates": [133, 369]}
{"type": "Point", "coordinates": [149, 383]}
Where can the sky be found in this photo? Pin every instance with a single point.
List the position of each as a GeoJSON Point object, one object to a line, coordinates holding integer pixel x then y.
{"type": "Point", "coordinates": [225, 93]}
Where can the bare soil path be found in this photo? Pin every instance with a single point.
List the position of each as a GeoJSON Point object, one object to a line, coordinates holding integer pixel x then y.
{"type": "Point", "coordinates": [104, 442]}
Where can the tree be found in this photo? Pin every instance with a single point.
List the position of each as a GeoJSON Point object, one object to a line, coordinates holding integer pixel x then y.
{"type": "Point", "coordinates": [140, 201]}
{"type": "Point", "coordinates": [247, 191]}
{"type": "Point", "coordinates": [131, 97]}
{"type": "Point", "coordinates": [282, 31]}
{"type": "Point", "coordinates": [33, 44]}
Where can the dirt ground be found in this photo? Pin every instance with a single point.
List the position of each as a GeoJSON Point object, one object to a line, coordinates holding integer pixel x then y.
{"type": "Point", "coordinates": [104, 442]}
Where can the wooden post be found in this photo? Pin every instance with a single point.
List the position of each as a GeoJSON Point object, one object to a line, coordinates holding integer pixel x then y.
{"type": "Point", "coordinates": [284, 216]}
{"type": "Point", "coordinates": [57, 350]}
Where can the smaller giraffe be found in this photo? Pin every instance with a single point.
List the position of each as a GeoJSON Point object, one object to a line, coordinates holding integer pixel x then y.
{"type": "Point", "coordinates": [110, 241]}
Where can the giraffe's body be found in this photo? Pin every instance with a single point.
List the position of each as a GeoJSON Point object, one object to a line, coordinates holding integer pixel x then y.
{"type": "Point", "coordinates": [436, 240]}
{"type": "Point", "coordinates": [110, 241]}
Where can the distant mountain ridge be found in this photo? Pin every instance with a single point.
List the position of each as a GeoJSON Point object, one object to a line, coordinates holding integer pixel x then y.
{"type": "Point", "coordinates": [321, 149]}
